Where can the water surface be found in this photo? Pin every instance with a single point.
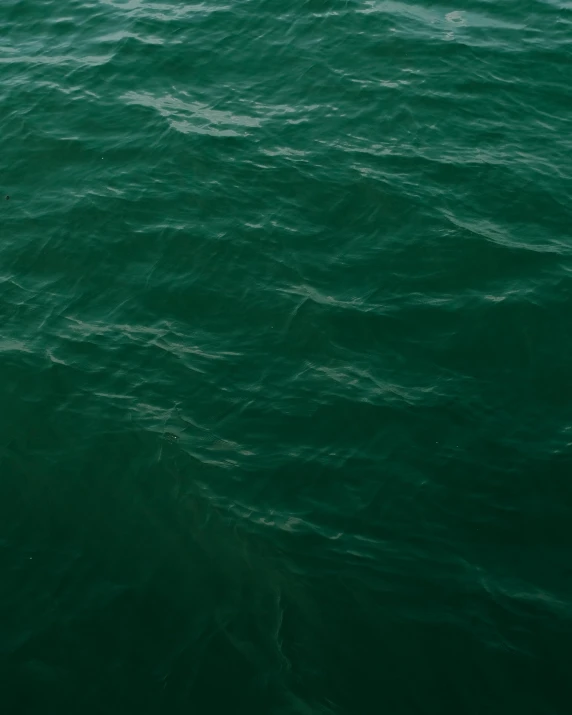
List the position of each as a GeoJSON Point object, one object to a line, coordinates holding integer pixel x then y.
{"type": "Point", "coordinates": [285, 357]}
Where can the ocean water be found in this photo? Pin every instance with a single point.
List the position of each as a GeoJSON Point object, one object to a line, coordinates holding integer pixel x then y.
{"type": "Point", "coordinates": [285, 386]}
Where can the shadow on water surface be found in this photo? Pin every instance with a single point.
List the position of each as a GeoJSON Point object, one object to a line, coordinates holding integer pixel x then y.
{"type": "Point", "coordinates": [145, 596]}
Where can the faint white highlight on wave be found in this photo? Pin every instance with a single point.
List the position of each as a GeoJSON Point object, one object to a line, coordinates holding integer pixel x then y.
{"type": "Point", "coordinates": [191, 117]}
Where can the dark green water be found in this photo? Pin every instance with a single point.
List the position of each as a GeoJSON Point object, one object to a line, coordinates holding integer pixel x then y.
{"type": "Point", "coordinates": [285, 386]}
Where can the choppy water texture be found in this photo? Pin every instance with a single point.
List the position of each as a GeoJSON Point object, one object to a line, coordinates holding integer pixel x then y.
{"type": "Point", "coordinates": [286, 416]}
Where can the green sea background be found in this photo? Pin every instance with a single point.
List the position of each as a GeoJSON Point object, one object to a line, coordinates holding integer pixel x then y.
{"type": "Point", "coordinates": [285, 357]}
